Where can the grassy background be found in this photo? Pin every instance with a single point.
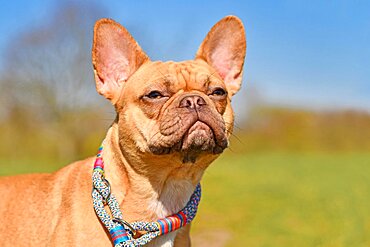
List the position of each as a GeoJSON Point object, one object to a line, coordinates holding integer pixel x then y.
{"type": "Point", "coordinates": [286, 199]}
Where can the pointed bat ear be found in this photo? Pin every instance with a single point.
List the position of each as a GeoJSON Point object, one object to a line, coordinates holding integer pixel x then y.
{"type": "Point", "coordinates": [224, 48]}
{"type": "Point", "coordinates": [115, 56]}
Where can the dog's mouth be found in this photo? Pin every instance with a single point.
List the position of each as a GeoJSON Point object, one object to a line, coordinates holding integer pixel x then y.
{"type": "Point", "coordinates": [200, 138]}
{"type": "Point", "coordinates": [193, 137]}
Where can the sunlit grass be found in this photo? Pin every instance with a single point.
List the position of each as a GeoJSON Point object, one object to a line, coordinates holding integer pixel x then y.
{"type": "Point", "coordinates": [277, 199]}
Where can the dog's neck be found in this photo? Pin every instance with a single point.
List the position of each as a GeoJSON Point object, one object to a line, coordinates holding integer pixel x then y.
{"type": "Point", "coordinates": [156, 193]}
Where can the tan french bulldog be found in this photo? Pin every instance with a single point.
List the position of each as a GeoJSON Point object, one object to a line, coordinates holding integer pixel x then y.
{"type": "Point", "coordinates": [173, 119]}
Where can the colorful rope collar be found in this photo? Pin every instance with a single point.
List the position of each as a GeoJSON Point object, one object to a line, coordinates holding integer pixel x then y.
{"type": "Point", "coordinates": [122, 232]}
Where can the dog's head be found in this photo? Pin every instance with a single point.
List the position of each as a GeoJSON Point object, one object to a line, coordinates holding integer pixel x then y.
{"type": "Point", "coordinates": [179, 109]}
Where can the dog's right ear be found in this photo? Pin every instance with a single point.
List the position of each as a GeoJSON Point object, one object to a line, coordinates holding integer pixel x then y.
{"type": "Point", "coordinates": [224, 48]}
{"type": "Point", "coordinates": [115, 56]}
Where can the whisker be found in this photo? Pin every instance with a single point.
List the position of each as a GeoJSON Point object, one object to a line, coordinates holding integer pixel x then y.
{"type": "Point", "coordinates": [165, 78]}
{"type": "Point", "coordinates": [236, 137]}
{"type": "Point", "coordinates": [155, 135]}
{"type": "Point", "coordinates": [232, 150]}
{"type": "Point", "coordinates": [235, 126]}
{"type": "Point", "coordinates": [214, 72]}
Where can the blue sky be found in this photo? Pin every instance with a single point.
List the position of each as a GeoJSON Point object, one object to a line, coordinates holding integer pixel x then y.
{"type": "Point", "coordinates": [311, 54]}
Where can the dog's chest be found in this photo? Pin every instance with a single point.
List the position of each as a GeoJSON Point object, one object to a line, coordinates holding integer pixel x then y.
{"type": "Point", "coordinates": [172, 199]}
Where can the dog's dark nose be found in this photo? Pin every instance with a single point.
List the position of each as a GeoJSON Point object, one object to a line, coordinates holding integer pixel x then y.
{"type": "Point", "coordinates": [192, 102]}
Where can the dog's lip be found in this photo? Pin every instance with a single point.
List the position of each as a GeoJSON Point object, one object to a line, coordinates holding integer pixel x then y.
{"type": "Point", "coordinates": [220, 145]}
{"type": "Point", "coordinates": [199, 124]}
{"type": "Point", "coordinates": [204, 140]}
{"type": "Point", "coordinates": [202, 127]}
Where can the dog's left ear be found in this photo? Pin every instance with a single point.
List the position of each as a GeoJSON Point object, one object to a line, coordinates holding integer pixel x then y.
{"type": "Point", "coordinates": [116, 56]}
{"type": "Point", "coordinates": [224, 49]}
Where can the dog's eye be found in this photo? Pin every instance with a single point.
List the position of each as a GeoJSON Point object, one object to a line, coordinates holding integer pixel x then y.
{"type": "Point", "coordinates": [154, 95]}
{"type": "Point", "coordinates": [218, 92]}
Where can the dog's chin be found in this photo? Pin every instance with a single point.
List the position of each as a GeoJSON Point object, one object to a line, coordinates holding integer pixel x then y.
{"type": "Point", "coordinates": [199, 139]}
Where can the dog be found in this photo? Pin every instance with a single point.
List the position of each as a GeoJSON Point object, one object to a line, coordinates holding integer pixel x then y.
{"type": "Point", "coordinates": [173, 119]}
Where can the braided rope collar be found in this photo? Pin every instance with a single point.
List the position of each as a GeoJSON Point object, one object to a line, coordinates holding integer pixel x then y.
{"type": "Point", "coordinates": [123, 233]}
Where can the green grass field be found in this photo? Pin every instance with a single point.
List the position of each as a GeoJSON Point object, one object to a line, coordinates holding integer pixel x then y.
{"type": "Point", "coordinates": [276, 199]}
